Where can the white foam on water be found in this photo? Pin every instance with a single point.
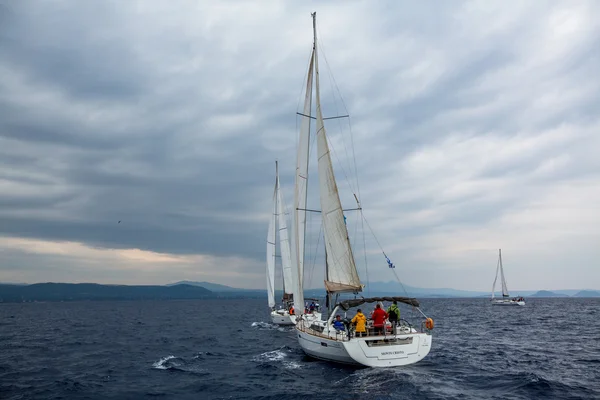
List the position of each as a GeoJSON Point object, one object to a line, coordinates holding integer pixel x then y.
{"type": "Point", "coordinates": [263, 325]}
{"type": "Point", "coordinates": [275, 355]}
{"type": "Point", "coordinates": [292, 365]}
{"type": "Point", "coordinates": [160, 364]}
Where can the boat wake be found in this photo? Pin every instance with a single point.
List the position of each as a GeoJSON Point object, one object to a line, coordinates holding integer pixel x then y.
{"type": "Point", "coordinates": [275, 356]}
{"type": "Point", "coordinates": [265, 326]}
{"type": "Point", "coordinates": [172, 363]}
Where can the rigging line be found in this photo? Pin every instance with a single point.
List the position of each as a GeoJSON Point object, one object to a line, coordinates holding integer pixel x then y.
{"type": "Point", "coordinates": [335, 102]}
{"type": "Point", "coordinates": [383, 251]}
{"type": "Point", "coordinates": [302, 88]}
{"type": "Point", "coordinates": [362, 221]}
{"type": "Point", "coordinates": [355, 235]}
{"type": "Point", "coordinates": [332, 149]}
{"type": "Point", "coordinates": [332, 81]}
{"type": "Point", "coordinates": [349, 120]}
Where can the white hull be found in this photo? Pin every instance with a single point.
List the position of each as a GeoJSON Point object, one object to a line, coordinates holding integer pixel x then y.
{"type": "Point", "coordinates": [507, 303]}
{"type": "Point", "coordinates": [391, 350]}
{"type": "Point", "coordinates": [281, 317]}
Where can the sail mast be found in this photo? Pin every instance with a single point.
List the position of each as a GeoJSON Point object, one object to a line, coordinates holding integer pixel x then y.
{"type": "Point", "coordinates": [277, 192]}
{"type": "Point", "coordinates": [300, 192]}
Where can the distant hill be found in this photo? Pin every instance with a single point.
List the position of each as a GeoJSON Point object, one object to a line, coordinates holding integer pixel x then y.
{"type": "Point", "coordinates": [395, 287]}
{"type": "Point", "coordinates": [93, 291]}
{"type": "Point", "coordinates": [374, 289]}
{"type": "Point", "coordinates": [200, 290]}
{"type": "Point", "coordinates": [215, 287]}
{"type": "Point", "coordinates": [587, 293]}
{"type": "Point", "coordinates": [547, 293]}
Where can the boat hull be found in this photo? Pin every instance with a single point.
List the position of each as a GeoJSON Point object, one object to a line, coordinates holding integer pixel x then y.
{"type": "Point", "coordinates": [323, 348]}
{"type": "Point", "coordinates": [376, 352]}
{"type": "Point", "coordinates": [284, 318]}
{"type": "Point", "coordinates": [507, 303]}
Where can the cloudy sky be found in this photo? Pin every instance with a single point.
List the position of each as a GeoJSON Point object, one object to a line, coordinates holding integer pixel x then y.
{"type": "Point", "coordinates": [476, 126]}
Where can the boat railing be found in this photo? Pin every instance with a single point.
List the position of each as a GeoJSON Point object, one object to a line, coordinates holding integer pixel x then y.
{"type": "Point", "coordinates": [388, 331]}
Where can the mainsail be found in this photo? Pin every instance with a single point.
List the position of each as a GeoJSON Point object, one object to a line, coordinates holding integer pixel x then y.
{"type": "Point", "coordinates": [278, 215]}
{"type": "Point", "coordinates": [501, 270]}
{"type": "Point", "coordinates": [504, 288]}
{"type": "Point", "coordinates": [284, 243]}
{"type": "Point", "coordinates": [271, 251]}
{"type": "Point", "coordinates": [341, 273]}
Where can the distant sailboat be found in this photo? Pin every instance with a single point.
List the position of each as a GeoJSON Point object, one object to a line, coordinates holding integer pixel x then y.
{"type": "Point", "coordinates": [505, 300]}
{"type": "Point", "coordinates": [385, 346]}
{"type": "Point", "coordinates": [286, 314]}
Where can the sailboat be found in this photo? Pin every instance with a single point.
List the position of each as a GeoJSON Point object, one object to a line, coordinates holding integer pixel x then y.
{"type": "Point", "coordinates": [285, 314]}
{"type": "Point", "coordinates": [388, 346]}
{"type": "Point", "coordinates": [505, 300]}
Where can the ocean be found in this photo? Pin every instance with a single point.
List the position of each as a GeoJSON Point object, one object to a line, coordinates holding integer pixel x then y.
{"type": "Point", "coordinates": [212, 349]}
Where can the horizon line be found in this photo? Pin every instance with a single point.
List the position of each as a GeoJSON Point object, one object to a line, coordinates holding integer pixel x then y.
{"type": "Point", "coordinates": [241, 288]}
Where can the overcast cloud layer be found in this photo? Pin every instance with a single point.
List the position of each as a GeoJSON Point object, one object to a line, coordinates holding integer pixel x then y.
{"type": "Point", "coordinates": [476, 126]}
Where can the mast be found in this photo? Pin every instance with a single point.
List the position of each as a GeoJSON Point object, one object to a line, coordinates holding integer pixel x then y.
{"type": "Point", "coordinates": [301, 185]}
{"type": "Point", "coordinates": [278, 227]}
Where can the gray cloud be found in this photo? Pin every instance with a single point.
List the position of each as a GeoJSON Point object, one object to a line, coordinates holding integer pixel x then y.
{"type": "Point", "coordinates": [169, 119]}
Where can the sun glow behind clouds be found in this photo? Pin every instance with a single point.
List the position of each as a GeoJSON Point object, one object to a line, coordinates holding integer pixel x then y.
{"type": "Point", "coordinates": [105, 264]}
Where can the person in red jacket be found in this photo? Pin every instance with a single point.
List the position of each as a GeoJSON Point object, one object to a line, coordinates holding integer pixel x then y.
{"type": "Point", "coordinates": [379, 316]}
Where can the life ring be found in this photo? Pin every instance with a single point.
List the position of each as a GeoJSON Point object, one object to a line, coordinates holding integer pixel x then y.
{"type": "Point", "coordinates": [429, 323]}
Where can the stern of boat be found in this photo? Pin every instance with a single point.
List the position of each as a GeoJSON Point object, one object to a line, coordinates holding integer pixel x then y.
{"type": "Point", "coordinates": [282, 318]}
{"type": "Point", "coordinates": [389, 352]}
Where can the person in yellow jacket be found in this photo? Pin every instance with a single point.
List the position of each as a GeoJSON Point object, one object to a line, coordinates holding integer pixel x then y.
{"type": "Point", "coordinates": [361, 323]}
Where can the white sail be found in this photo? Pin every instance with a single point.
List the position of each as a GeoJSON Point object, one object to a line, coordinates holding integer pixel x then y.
{"type": "Point", "coordinates": [495, 279]}
{"type": "Point", "coordinates": [284, 243]}
{"type": "Point", "coordinates": [341, 275]}
{"type": "Point", "coordinates": [504, 288]}
{"type": "Point", "coordinates": [300, 192]}
{"type": "Point", "coordinates": [271, 252]}
{"type": "Point", "coordinates": [500, 270]}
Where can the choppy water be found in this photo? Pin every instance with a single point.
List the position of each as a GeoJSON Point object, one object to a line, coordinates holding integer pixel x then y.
{"type": "Point", "coordinates": [227, 349]}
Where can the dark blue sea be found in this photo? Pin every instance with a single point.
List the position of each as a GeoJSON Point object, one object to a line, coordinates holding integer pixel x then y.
{"type": "Point", "coordinates": [209, 349]}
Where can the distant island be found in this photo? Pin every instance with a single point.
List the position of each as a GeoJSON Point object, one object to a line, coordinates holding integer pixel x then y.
{"type": "Point", "coordinates": [94, 291]}
{"type": "Point", "coordinates": [587, 293]}
{"type": "Point", "coordinates": [547, 293]}
{"type": "Point", "coordinates": [207, 290]}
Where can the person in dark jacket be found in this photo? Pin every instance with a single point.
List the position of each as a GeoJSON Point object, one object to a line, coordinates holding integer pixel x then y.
{"type": "Point", "coordinates": [394, 315]}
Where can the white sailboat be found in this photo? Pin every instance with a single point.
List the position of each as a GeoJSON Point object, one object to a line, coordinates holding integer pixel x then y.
{"type": "Point", "coordinates": [505, 300]}
{"type": "Point", "coordinates": [391, 346]}
{"type": "Point", "coordinates": [285, 314]}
